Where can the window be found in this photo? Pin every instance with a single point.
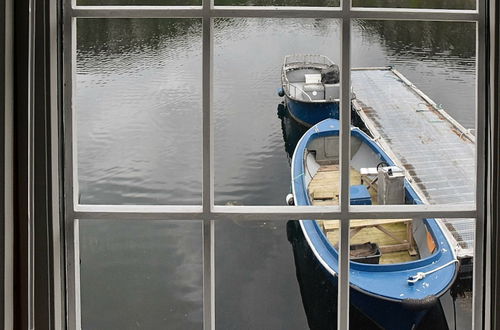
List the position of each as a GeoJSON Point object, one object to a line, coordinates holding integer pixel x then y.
{"type": "Point", "coordinates": [82, 213]}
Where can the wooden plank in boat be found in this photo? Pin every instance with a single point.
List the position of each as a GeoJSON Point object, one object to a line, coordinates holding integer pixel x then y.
{"type": "Point", "coordinates": [396, 257]}
{"type": "Point", "coordinates": [325, 202]}
{"type": "Point", "coordinates": [365, 223]}
{"type": "Point", "coordinates": [325, 184]}
{"type": "Point", "coordinates": [395, 248]}
{"type": "Point", "coordinates": [371, 234]}
{"type": "Point", "coordinates": [322, 194]}
{"type": "Point", "coordinates": [329, 168]}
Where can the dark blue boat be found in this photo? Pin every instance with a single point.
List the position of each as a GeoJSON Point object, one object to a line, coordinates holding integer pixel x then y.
{"type": "Point", "coordinates": [395, 295]}
{"type": "Point", "coordinates": [310, 84]}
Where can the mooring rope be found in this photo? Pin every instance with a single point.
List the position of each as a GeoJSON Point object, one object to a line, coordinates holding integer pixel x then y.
{"type": "Point", "coordinates": [298, 176]}
{"type": "Point", "coordinates": [421, 275]}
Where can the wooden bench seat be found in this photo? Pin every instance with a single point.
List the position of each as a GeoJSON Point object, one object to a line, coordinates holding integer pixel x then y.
{"type": "Point", "coordinates": [396, 241]}
{"type": "Point", "coordinates": [331, 225]}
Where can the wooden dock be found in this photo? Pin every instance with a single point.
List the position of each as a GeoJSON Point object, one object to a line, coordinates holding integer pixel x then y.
{"type": "Point", "coordinates": [436, 151]}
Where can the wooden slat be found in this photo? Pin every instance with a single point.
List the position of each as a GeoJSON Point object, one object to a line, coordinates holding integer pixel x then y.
{"type": "Point", "coordinates": [324, 194]}
{"type": "Point", "coordinates": [325, 202]}
{"type": "Point", "coordinates": [396, 257]}
{"type": "Point", "coordinates": [394, 248]}
{"type": "Point", "coordinates": [329, 168]}
{"type": "Point", "coordinates": [365, 223]}
{"type": "Point", "coordinates": [325, 183]}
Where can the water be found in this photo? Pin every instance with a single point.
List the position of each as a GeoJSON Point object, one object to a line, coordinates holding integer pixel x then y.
{"type": "Point", "coordinates": [138, 109]}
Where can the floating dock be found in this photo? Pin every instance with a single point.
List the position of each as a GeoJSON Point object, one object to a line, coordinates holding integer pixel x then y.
{"type": "Point", "coordinates": [437, 152]}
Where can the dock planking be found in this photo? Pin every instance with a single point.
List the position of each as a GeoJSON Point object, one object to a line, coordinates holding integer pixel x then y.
{"type": "Point", "coordinates": [436, 151]}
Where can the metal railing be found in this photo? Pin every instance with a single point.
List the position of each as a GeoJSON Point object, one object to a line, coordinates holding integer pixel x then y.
{"type": "Point", "coordinates": [295, 88]}
{"type": "Point", "coordinates": [307, 59]}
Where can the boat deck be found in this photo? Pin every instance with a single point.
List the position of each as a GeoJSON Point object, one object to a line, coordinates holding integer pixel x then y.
{"type": "Point", "coordinates": [391, 235]}
{"type": "Point", "coordinates": [436, 151]}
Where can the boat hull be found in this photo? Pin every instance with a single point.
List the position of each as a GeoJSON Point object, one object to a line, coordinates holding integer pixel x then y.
{"type": "Point", "coordinates": [308, 114]}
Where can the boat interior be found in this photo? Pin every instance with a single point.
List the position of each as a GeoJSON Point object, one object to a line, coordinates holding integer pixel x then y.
{"type": "Point", "coordinates": [305, 84]}
{"type": "Point", "coordinates": [381, 241]}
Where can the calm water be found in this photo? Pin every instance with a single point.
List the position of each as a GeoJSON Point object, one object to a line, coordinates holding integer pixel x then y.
{"type": "Point", "coordinates": [138, 109]}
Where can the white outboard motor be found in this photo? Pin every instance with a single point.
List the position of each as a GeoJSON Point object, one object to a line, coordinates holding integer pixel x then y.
{"type": "Point", "coordinates": [391, 190]}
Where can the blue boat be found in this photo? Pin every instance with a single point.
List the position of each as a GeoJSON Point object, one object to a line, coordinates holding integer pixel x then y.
{"type": "Point", "coordinates": [395, 293]}
{"type": "Point", "coordinates": [310, 85]}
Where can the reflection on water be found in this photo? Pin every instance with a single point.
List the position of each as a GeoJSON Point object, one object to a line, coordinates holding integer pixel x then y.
{"type": "Point", "coordinates": [437, 41]}
{"type": "Point", "coordinates": [292, 131]}
{"type": "Point", "coordinates": [138, 109]}
{"type": "Point", "coordinates": [141, 274]}
{"type": "Point", "coordinates": [255, 283]}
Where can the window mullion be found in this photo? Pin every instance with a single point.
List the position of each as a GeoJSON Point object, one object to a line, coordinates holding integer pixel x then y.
{"type": "Point", "coordinates": [271, 12]}
{"type": "Point", "coordinates": [269, 213]}
{"type": "Point", "coordinates": [208, 170]}
{"type": "Point", "coordinates": [345, 132]}
{"type": "Point", "coordinates": [73, 319]}
{"type": "Point", "coordinates": [479, 238]}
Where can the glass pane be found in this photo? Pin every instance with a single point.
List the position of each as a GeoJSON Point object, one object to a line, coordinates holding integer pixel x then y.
{"type": "Point", "coordinates": [256, 130]}
{"type": "Point", "coordinates": [305, 3]}
{"type": "Point", "coordinates": [138, 111]}
{"type": "Point", "coordinates": [410, 273]}
{"type": "Point", "coordinates": [415, 96]}
{"type": "Point", "coordinates": [138, 2]}
{"type": "Point", "coordinates": [429, 4]}
{"type": "Point", "coordinates": [141, 274]}
{"type": "Point", "coordinates": [262, 269]}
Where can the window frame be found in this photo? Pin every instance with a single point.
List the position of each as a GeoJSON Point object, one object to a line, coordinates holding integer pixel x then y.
{"type": "Point", "coordinates": [208, 212]}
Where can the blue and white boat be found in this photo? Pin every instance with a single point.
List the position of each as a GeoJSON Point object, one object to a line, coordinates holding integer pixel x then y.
{"type": "Point", "coordinates": [395, 292]}
{"type": "Point", "coordinates": [310, 85]}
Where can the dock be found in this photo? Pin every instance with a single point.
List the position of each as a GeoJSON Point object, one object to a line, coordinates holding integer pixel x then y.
{"type": "Point", "coordinates": [437, 152]}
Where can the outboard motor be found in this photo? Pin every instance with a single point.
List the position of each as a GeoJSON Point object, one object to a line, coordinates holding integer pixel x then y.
{"type": "Point", "coordinates": [330, 75]}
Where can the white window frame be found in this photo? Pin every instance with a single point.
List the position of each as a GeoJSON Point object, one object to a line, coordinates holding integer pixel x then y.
{"type": "Point", "coordinates": [208, 212]}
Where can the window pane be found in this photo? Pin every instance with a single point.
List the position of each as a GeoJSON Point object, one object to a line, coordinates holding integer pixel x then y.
{"type": "Point", "coordinates": [405, 274]}
{"type": "Point", "coordinates": [306, 3]}
{"type": "Point", "coordinates": [255, 134]}
{"type": "Point", "coordinates": [138, 111]}
{"type": "Point", "coordinates": [429, 4]}
{"type": "Point", "coordinates": [141, 274]}
{"type": "Point", "coordinates": [258, 276]}
{"type": "Point", "coordinates": [415, 95]}
{"type": "Point", "coordinates": [139, 2]}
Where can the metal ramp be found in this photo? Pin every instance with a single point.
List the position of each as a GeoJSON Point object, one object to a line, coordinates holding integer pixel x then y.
{"type": "Point", "coordinates": [436, 151]}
